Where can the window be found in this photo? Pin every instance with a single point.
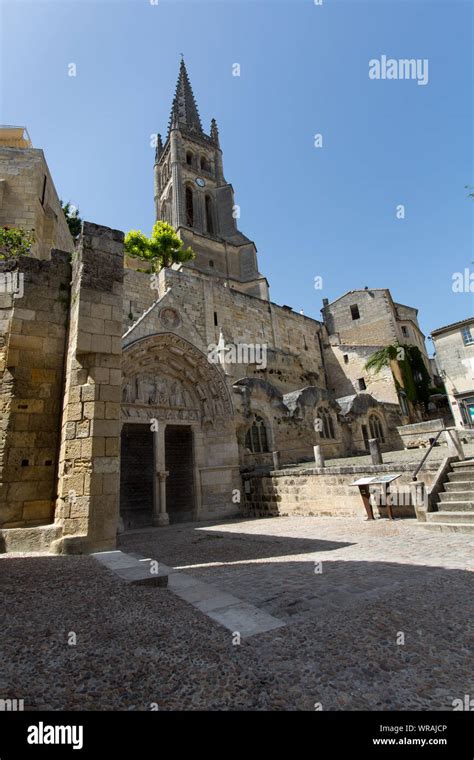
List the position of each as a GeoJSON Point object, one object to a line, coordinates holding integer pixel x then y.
{"type": "Point", "coordinates": [467, 336]}
{"type": "Point", "coordinates": [209, 219]}
{"type": "Point", "coordinates": [189, 158]}
{"type": "Point", "coordinates": [189, 207]}
{"type": "Point", "coordinates": [211, 264]}
{"type": "Point", "coordinates": [215, 318]}
{"type": "Point", "coordinates": [355, 311]}
{"type": "Point", "coordinates": [376, 429]}
{"type": "Point", "coordinates": [256, 438]}
{"type": "Point", "coordinates": [403, 404]}
{"type": "Point", "coordinates": [327, 426]}
{"type": "Point", "coordinates": [405, 331]}
{"type": "Point", "coordinates": [361, 384]}
{"type": "Point", "coordinates": [346, 358]}
{"type": "Point", "coordinates": [205, 165]}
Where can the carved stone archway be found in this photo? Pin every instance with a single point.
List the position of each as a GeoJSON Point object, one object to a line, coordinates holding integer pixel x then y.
{"type": "Point", "coordinates": [166, 374]}
{"type": "Point", "coordinates": [168, 381]}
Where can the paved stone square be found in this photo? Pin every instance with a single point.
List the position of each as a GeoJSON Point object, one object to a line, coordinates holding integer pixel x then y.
{"type": "Point", "coordinates": [344, 592]}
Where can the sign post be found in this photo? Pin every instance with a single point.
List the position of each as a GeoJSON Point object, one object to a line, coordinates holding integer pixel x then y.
{"type": "Point", "coordinates": [364, 485]}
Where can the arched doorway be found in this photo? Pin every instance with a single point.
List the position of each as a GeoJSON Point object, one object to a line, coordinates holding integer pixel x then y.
{"type": "Point", "coordinates": [173, 400]}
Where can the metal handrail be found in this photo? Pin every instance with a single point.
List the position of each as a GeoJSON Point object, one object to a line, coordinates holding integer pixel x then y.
{"type": "Point", "coordinates": [427, 454]}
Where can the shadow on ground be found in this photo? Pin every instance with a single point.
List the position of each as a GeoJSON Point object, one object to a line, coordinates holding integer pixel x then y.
{"type": "Point", "coordinates": [135, 646]}
{"type": "Point", "coordinates": [211, 545]}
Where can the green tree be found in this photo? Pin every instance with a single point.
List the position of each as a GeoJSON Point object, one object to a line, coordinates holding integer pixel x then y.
{"type": "Point", "coordinates": [74, 221]}
{"type": "Point", "coordinates": [15, 242]}
{"type": "Point", "coordinates": [416, 378]}
{"type": "Point", "coordinates": [162, 249]}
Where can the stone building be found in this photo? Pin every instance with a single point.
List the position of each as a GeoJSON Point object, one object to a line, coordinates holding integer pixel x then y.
{"type": "Point", "coordinates": [28, 198]}
{"type": "Point", "coordinates": [454, 346]}
{"type": "Point", "coordinates": [131, 399]}
{"type": "Point", "coordinates": [358, 324]}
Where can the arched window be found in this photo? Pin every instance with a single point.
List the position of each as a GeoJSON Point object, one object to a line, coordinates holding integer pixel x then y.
{"type": "Point", "coordinates": [209, 219]}
{"type": "Point", "coordinates": [256, 438]}
{"type": "Point", "coordinates": [189, 207]}
{"type": "Point", "coordinates": [189, 158]}
{"type": "Point", "coordinates": [326, 425]}
{"type": "Point", "coordinates": [205, 165]}
{"type": "Point", "coordinates": [376, 429]}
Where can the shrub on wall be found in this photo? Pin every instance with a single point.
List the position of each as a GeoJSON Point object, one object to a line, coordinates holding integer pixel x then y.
{"type": "Point", "coordinates": [15, 242]}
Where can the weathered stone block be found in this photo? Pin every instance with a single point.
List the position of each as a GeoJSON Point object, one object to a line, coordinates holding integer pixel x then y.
{"type": "Point", "coordinates": [38, 510]}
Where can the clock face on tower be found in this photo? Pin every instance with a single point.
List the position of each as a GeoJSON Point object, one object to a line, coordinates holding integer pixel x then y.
{"type": "Point", "coordinates": [199, 181]}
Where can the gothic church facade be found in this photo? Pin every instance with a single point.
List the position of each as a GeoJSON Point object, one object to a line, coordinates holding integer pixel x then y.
{"type": "Point", "coordinates": [113, 414]}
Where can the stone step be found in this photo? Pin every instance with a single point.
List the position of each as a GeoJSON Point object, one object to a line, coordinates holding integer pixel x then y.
{"type": "Point", "coordinates": [133, 569]}
{"type": "Point", "coordinates": [457, 495]}
{"type": "Point", "coordinates": [455, 506]}
{"type": "Point", "coordinates": [450, 516]}
{"type": "Point", "coordinates": [446, 527]}
{"type": "Point", "coordinates": [467, 463]}
{"type": "Point", "coordinates": [461, 475]}
{"type": "Point", "coordinates": [460, 485]}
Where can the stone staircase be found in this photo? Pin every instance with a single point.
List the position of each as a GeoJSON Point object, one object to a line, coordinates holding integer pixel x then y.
{"type": "Point", "coordinates": [456, 501]}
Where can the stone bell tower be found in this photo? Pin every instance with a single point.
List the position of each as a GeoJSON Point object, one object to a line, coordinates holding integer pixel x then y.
{"type": "Point", "coordinates": [193, 196]}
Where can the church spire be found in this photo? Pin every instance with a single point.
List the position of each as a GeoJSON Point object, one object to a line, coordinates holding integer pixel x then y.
{"type": "Point", "coordinates": [184, 112]}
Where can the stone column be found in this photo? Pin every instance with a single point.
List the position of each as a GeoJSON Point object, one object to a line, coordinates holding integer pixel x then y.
{"type": "Point", "coordinates": [87, 507]}
{"type": "Point", "coordinates": [419, 499]}
{"type": "Point", "coordinates": [318, 456]}
{"type": "Point", "coordinates": [199, 211]}
{"type": "Point", "coordinates": [157, 190]}
{"type": "Point", "coordinates": [163, 517]}
{"type": "Point", "coordinates": [276, 460]}
{"type": "Point", "coordinates": [160, 516]}
{"type": "Point", "coordinates": [375, 453]}
{"type": "Point", "coordinates": [177, 214]}
{"type": "Point", "coordinates": [455, 448]}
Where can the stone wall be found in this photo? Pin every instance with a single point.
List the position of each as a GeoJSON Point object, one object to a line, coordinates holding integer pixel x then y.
{"type": "Point", "coordinates": [28, 200]}
{"type": "Point", "coordinates": [419, 434]}
{"type": "Point", "coordinates": [344, 373]}
{"type": "Point", "coordinates": [32, 355]}
{"type": "Point", "coordinates": [293, 350]}
{"type": "Point", "coordinates": [376, 324]}
{"type": "Point", "coordinates": [325, 492]}
{"type": "Point", "coordinates": [89, 466]}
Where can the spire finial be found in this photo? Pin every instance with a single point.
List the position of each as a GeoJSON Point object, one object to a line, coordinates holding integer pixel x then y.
{"type": "Point", "coordinates": [214, 132]}
{"type": "Point", "coordinates": [159, 147]}
{"type": "Point", "coordinates": [184, 110]}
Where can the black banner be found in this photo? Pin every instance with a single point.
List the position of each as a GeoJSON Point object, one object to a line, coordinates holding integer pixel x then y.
{"type": "Point", "coordinates": [137, 734]}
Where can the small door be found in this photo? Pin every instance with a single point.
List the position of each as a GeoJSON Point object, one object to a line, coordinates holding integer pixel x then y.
{"type": "Point", "coordinates": [180, 481]}
{"type": "Point", "coordinates": [136, 476]}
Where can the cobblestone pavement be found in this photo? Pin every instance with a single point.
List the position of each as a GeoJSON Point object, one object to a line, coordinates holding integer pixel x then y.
{"type": "Point", "coordinates": [375, 584]}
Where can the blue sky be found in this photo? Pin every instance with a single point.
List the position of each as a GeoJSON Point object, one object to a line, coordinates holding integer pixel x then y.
{"type": "Point", "coordinates": [329, 211]}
